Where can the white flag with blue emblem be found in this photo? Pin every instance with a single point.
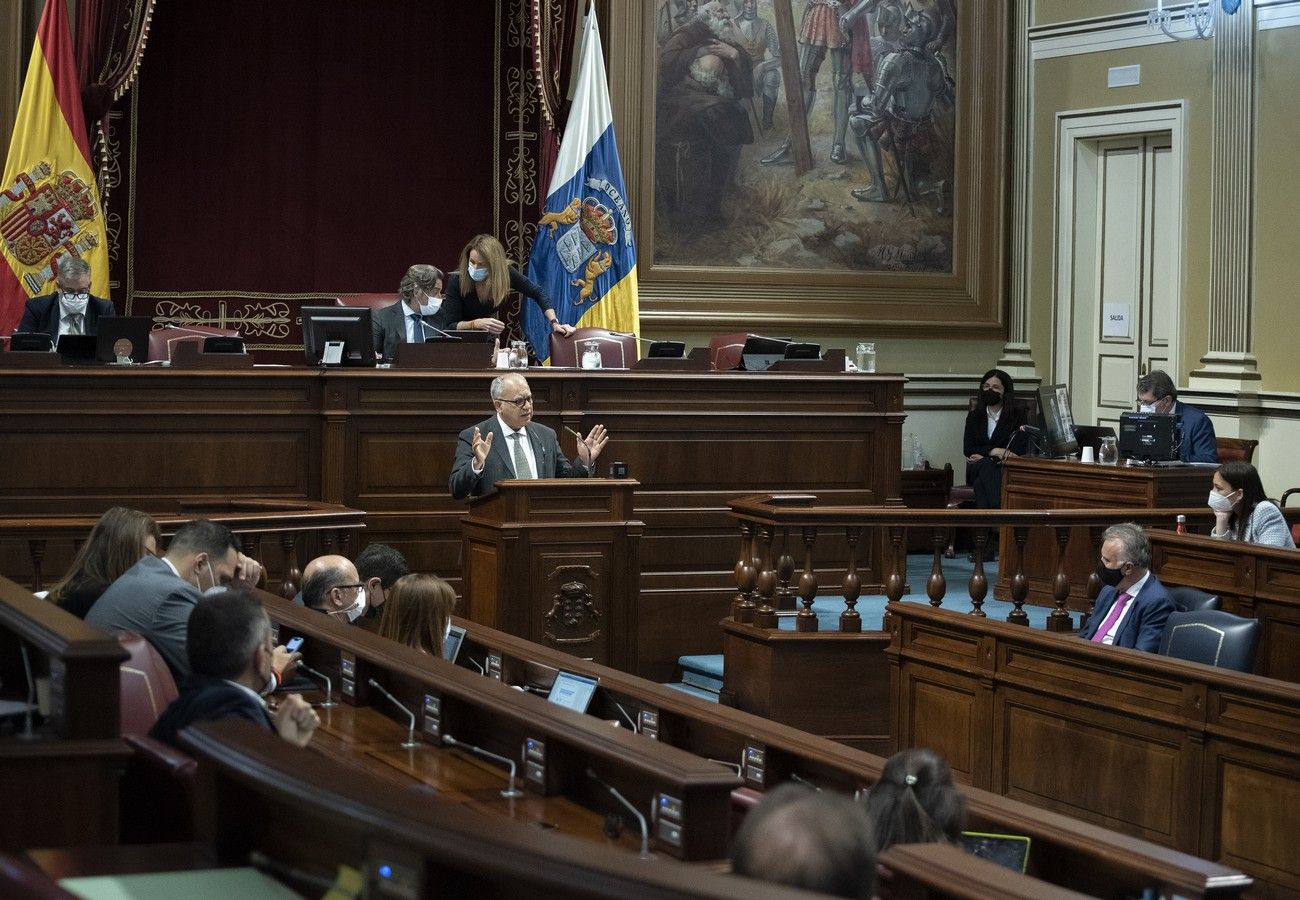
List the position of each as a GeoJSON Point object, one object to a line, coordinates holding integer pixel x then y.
{"type": "Point", "coordinates": [584, 254]}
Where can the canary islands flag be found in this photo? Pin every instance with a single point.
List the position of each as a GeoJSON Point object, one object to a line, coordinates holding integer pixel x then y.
{"type": "Point", "coordinates": [49, 203]}
{"type": "Point", "coordinates": [584, 254]}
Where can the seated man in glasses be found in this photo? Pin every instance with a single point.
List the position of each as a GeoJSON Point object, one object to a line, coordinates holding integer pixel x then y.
{"type": "Point", "coordinates": [69, 310]}
{"type": "Point", "coordinates": [511, 445]}
{"type": "Point", "coordinates": [331, 585]}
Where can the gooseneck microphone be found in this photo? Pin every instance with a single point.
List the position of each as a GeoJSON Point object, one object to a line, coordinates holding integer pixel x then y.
{"type": "Point", "coordinates": [329, 702]}
{"type": "Point", "coordinates": [410, 743]}
{"type": "Point", "coordinates": [636, 729]}
{"type": "Point", "coordinates": [511, 792]}
{"type": "Point", "coordinates": [27, 734]}
{"type": "Point", "coordinates": [613, 792]}
{"type": "Point", "coordinates": [426, 328]}
{"type": "Point", "coordinates": [1030, 429]}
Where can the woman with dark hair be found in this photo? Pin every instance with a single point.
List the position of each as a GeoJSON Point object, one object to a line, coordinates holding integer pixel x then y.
{"type": "Point", "coordinates": [990, 429]}
{"type": "Point", "coordinates": [118, 541]}
{"type": "Point", "coordinates": [915, 801]}
{"type": "Point", "coordinates": [1242, 511]}
{"type": "Point", "coordinates": [479, 286]}
{"type": "Point", "coordinates": [417, 612]}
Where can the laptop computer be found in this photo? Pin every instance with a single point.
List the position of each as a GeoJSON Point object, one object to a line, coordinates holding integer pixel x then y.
{"type": "Point", "coordinates": [451, 643]}
{"type": "Point", "coordinates": [1091, 435]}
{"type": "Point", "coordinates": [1011, 851]}
{"type": "Point", "coordinates": [123, 339]}
{"type": "Point", "coordinates": [572, 691]}
{"type": "Point", "coordinates": [78, 349]}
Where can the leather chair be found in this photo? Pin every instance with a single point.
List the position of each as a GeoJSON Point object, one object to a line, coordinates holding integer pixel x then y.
{"type": "Point", "coordinates": [1295, 529]}
{"type": "Point", "coordinates": [1190, 599]}
{"type": "Point", "coordinates": [725, 349]}
{"type": "Point", "coordinates": [617, 349]}
{"type": "Point", "coordinates": [1212, 637]}
{"type": "Point", "coordinates": [146, 684]}
{"type": "Point", "coordinates": [1234, 449]}
{"type": "Point", "coordinates": [162, 340]}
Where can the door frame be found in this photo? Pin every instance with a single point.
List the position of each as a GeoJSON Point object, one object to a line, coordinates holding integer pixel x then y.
{"type": "Point", "coordinates": [1075, 131]}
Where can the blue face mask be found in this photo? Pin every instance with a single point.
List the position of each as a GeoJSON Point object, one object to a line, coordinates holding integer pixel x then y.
{"type": "Point", "coordinates": [477, 273]}
{"type": "Point", "coordinates": [430, 305]}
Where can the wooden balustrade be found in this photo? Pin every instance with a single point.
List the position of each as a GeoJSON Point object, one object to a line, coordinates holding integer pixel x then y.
{"type": "Point", "coordinates": [765, 520]}
{"type": "Point", "coordinates": [330, 525]}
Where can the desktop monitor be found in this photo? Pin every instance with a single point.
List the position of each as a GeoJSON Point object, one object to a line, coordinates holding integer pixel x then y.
{"type": "Point", "coordinates": [666, 350]}
{"type": "Point", "coordinates": [31, 342]}
{"type": "Point", "coordinates": [1058, 421]}
{"type": "Point", "coordinates": [1149, 437]}
{"type": "Point", "coordinates": [123, 339]}
{"type": "Point", "coordinates": [451, 643]}
{"type": "Point", "coordinates": [338, 336]}
{"type": "Point", "coordinates": [572, 691]}
{"type": "Point", "coordinates": [760, 352]}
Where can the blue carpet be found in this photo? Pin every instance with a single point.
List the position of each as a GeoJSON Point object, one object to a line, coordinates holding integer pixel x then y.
{"type": "Point", "coordinates": [703, 674]}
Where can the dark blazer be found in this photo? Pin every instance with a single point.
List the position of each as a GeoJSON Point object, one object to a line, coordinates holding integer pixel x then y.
{"type": "Point", "coordinates": [460, 307]}
{"type": "Point", "coordinates": [151, 601]}
{"type": "Point", "coordinates": [1198, 434]}
{"type": "Point", "coordinates": [204, 699]}
{"type": "Point", "coordinates": [551, 462]}
{"type": "Point", "coordinates": [42, 314]}
{"type": "Point", "coordinates": [976, 438]}
{"type": "Point", "coordinates": [1143, 624]}
{"type": "Point", "coordinates": [388, 325]}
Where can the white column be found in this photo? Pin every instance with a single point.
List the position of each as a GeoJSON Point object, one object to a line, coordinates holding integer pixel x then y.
{"type": "Point", "coordinates": [1016, 358]}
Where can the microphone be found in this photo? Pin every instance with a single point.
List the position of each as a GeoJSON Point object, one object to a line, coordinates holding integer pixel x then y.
{"type": "Point", "coordinates": [329, 702]}
{"type": "Point", "coordinates": [27, 734]}
{"type": "Point", "coordinates": [511, 792]}
{"type": "Point", "coordinates": [645, 831]}
{"type": "Point", "coordinates": [428, 327]}
{"type": "Point", "coordinates": [736, 767]}
{"type": "Point", "coordinates": [481, 670]}
{"type": "Point", "coordinates": [1030, 429]}
{"type": "Point", "coordinates": [636, 729]}
{"type": "Point", "coordinates": [410, 743]}
{"type": "Point", "coordinates": [805, 782]}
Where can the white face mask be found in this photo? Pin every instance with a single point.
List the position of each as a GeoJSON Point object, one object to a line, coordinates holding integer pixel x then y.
{"type": "Point", "coordinates": [1219, 503]}
{"type": "Point", "coordinates": [74, 304]}
{"type": "Point", "coordinates": [1146, 407]}
{"type": "Point", "coordinates": [431, 305]}
{"type": "Point", "coordinates": [215, 588]}
{"type": "Point", "coordinates": [354, 611]}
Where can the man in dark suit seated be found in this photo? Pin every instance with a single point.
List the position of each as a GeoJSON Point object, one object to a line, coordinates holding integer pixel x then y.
{"type": "Point", "coordinates": [419, 297]}
{"type": "Point", "coordinates": [71, 309]}
{"type": "Point", "coordinates": [1156, 394]}
{"type": "Point", "coordinates": [511, 445]}
{"type": "Point", "coordinates": [230, 656]}
{"type": "Point", "coordinates": [156, 596]}
{"type": "Point", "coordinates": [1133, 605]}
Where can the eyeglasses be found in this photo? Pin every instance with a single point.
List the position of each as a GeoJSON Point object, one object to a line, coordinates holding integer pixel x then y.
{"type": "Point", "coordinates": [349, 587]}
{"type": "Point", "coordinates": [519, 402]}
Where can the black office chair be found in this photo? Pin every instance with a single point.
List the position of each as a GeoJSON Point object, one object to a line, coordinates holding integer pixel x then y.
{"type": "Point", "coordinates": [1212, 637]}
{"type": "Point", "coordinates": [1190, 599]}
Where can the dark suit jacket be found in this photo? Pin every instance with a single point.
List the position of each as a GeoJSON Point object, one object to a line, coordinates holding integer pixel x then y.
{"type": "Point", "coordinates": [1143, 624]}
{"type": "Point", "coordinates": [151, 601]}
{"type": "Point", "coordinates": [460, 307]}
{"type": "Point", "coordinates": [388, 325]}
{"type": "Point", "coordinates": [204, 699]}
{"type": "Point", "coordinates": [551, 462]}
{"type": "Point", "coordinates": [42, 314]}
{"type": "Point", "coordinates": [1198, 434]}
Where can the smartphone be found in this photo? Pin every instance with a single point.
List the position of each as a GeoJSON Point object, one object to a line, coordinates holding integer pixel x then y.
{"type": "Point", "coordinates": [293, 645]}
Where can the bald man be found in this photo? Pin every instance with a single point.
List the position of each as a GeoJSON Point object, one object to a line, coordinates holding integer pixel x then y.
{"type": "Point", "coordinates": [331, 584]}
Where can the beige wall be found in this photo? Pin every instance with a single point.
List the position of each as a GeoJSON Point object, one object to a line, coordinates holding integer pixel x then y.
{"type": "Point", "coordinates": [1051, 12]}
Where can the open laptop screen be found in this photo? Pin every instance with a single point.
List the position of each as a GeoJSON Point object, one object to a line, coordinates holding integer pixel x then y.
{"type": "Point", "coordinates": [572, 691]}
{"type": "Point", "coordinates": [1011, 851]}
{"type": "Point", "coordinates": [451, 643]}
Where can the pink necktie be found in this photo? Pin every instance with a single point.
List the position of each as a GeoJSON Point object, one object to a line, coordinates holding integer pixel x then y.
{"type": "Point", "coordinates": [1116, 610]}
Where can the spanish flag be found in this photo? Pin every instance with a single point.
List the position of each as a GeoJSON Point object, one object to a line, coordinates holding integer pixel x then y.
{"type": "Point", "coordinates": [49, 202]}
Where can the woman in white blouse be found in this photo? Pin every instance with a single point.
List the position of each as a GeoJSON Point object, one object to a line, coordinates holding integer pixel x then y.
{"type": "Point", "coordinates": [1241, 510]}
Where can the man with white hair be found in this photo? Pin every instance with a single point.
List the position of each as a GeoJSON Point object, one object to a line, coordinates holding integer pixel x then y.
{"type": "Point", "coordinates": [69, 310]}
{"type": "Point", "coordinates": [1133, 605]}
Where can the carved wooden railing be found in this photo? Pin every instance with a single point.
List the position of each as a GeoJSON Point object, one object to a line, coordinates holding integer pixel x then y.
{"type": "Point", "coordinates": [284, 522]}
{"type": "Point", "coordinates": [765, 576]}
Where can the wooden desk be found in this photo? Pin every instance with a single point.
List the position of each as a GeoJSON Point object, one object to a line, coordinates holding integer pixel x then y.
{"type": "Point", "coordinates": [1062, 484]}
{"type": "Point", "coordinates": [77, 757]}
{"type": "Point", "coordinates": [1065, 851]}
{"type": "Point", "coordinates": [1200, 759]}
{"type": "Point", "coordinates": [383, 441]}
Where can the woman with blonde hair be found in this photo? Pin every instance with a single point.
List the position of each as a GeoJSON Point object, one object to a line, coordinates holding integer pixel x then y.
{"type": "Point", "coordinates": [417, 612]}
{"type": "Point", "coordinates": [480, 285]}
{"type": "Point", "coordinates": [118, 541]}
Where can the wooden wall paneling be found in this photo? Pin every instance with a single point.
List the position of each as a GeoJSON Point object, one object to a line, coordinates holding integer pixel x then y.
{"type": "Point", "coordinates": [1246, 833]}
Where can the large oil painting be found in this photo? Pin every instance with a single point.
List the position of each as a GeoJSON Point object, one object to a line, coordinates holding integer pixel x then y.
{"type": "Point", "coordinates": [864, 183]}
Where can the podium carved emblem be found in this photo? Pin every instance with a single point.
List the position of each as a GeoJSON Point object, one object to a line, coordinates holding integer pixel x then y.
{"type": "Point", "coordinates": [573, 617]}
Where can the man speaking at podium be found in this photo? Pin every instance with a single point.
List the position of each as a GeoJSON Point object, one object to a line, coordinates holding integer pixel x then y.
{"type": "Point", "coordinates": [511, 445]}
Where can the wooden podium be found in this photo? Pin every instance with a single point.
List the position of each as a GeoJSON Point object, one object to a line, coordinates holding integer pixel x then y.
{"type": "Point", "coordinates": [1029, 483]}
{"type": "Point", "coordinates": [556, 561]}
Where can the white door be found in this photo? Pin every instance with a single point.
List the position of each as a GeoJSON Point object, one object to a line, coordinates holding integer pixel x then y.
{"type": "Point", "coordinates": [1125, 284]}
